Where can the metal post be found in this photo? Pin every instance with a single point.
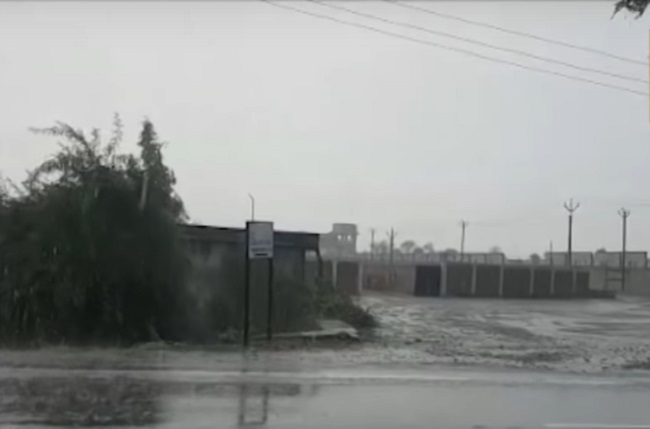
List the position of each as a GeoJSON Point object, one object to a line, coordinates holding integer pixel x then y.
{"type": "Point", "coordinates": [463, 225]}
{"type": "Point", "coordinates": [501, 275]}
{"type": "Point", "coordinates": [252, 198]}
{"type": "Point", "coordinates": [391, 243]}
{"type": "Point", "coordinates": [269, 311]}
{"type": "Point", "coordinates": [570, 250]}
{"type": "Point", "coordinates": [443, 278]}
{"type": "Point", "coordinates": [571, 207]}
{"type": "Point", "coordinates": [473, 293]}
{"type": "Point", "coordinates": [247, 287]}
{"type": "Point", "coordinates": [624, 213]}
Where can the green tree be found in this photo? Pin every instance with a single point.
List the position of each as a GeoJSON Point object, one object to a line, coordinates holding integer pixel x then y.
{"type": "Point", "coordinates": [407, 246]}
{"type": "Point", "coordinates": [89, 244]}
{"type": "Point", "coordinates": [634, 6]}
{"type": "Point", "coordinates": [381, 247]}
{"type": "Point", "coordinates": [535, 259]}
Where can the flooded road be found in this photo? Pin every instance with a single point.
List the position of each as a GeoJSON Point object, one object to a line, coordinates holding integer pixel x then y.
{"type": "Point", "coordinates": [361, 398]}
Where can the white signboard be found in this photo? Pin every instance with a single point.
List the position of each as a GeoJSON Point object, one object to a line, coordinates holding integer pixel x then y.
{"type": "Point", "coordinates": [260, 240]}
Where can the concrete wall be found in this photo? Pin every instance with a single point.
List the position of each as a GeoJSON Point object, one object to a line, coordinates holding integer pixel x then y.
{"type": "Point", "coordinates": [582, 283]}
{"type": "Point", "coordinates": [598, 279]}
{"type": "Point", "coordinates": [637, 281]}
{"type": "Point", "coordinates": [347, 277]}
{"type": "Point", "coordinates": [428, 280]}
{"type": "Point", "coordinates": [377, 276]}
{"type": "Point", "coordinates": [542, 282]}
{"type": "Point", "coordinates": [487, 280]}
{"type": "Point", "coordinates": [563, 286]}
{"type": "Point", "coordinates": [459, 280]}
{"type": "Point", "coordinates": [516, 282]}
{"type": "Point", "coordinates": [482, 280]}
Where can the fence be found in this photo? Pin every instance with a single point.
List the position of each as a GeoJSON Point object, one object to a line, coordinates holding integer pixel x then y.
{"type": "Point", "coordinates": [479, 279]}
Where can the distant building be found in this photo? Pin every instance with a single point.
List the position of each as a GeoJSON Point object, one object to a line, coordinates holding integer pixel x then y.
{"type": "Point", "coordinates": [341, 241]}
{"type": "Point", "coordinates": [633, 259]}
{"type": "Point", "coordinates": [579, 259]}
{"type": "Point", "coordinates": [474, 258]}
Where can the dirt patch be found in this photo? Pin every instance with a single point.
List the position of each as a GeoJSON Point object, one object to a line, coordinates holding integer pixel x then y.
{"type": "Point", "coordinates": [576, 335]}
{"type": "Point", "coordinates": [638, 365]}
{"type": "Point", "coordinates": [530, 357]}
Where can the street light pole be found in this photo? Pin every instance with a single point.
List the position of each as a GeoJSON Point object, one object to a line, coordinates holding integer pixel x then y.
{"type": "Point", "coordinates": [252, 198]}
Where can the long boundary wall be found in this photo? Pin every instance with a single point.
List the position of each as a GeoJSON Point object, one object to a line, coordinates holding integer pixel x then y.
{"type": "Point", "coordinates": [483, 280]}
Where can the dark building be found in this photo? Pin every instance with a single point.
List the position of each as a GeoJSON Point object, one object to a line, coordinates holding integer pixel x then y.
{"type": "Point", "coordinates": [216, 257]}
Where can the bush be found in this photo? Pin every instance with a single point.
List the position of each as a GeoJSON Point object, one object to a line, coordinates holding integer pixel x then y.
{"type": "Point", "coordinates": [333, 304]}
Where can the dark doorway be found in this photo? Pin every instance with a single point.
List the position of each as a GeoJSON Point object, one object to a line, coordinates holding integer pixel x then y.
{"type": "Point", "coordinates": [427, 280]}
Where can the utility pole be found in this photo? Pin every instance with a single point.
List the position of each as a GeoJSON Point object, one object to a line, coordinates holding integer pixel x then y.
{"type": "Point", "coordinates": [623, 213]}
{"type": "Point", "coordinates": [550, 253]}
{"type": "Point", "coordinates": [571, 207]}
{"type": "Point", "coordinates": [391, 252]}
{"type": "Point", "coordinates": [372, 244]}
{"type": "Point", "coordinates": [463, 225]}
{"type": "Point", "coordinates": [252, 198]}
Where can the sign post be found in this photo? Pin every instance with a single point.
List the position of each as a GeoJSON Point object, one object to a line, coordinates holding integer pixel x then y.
{"type": "Point", "coordinates": [259, 245]}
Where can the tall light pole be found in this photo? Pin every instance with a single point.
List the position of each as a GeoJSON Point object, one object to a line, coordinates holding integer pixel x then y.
{"type": "Point", "coordinates": [623, 213]}
{"type": "Point", "coordinates": [391, 254]}
{"type": "Point", "coordinates": [463, 225]}
{"type": "Point", "coordinates": [252, 198]}
{"type": "Point", "coordinates": [571, 207]}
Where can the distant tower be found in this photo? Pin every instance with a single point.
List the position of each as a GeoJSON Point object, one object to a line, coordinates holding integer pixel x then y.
{"type": "Point", "coordinates": [341, 241]}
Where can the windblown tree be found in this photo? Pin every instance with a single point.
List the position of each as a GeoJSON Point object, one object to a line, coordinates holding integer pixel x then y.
{"type": "Point", "coordinates": [637, 7]}
{"type": "Point", "coordinates": [407, 246]}
{"type": "Point", "coordinates": [495, 249]}
{"type": "Point", "coordinates": [88, 244]}
{"type": "Point", "coordinates": [535, 259]}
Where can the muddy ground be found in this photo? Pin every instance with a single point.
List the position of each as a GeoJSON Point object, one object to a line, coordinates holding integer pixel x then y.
{"type": "Point", "coordinates": [571, 335]}
{"type": "Point", "coordinates": [592, 336]}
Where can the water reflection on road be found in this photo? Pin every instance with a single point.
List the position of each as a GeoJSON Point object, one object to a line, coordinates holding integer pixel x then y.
{"type": "Point", "coordinates": [125, 401]}
{"type": "Point", "coordinates": [375, 399]}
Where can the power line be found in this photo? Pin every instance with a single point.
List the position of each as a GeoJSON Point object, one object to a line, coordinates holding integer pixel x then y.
{"type": "Point", "coordinates": [479, 43]}
{"type": "Point", "coordinates": [462, 51]}
{"type": "Point", "coordinates": [518, 33]}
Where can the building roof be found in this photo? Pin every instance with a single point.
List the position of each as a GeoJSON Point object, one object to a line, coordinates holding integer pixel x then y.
{"type": "Point", "coordinates": [301, 240]}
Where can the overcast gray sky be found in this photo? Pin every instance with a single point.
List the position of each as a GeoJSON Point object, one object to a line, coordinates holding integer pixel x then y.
{"type": "Point", "coordinates": [327, 123]}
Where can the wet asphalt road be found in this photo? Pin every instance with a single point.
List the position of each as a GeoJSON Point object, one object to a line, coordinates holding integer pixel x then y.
{"type": "Point", "coordinates": [352, 398]}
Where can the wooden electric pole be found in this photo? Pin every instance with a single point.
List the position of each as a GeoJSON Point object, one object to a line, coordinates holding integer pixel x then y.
{"type": "Point", "coordinates": [623, 213]}
{"type": "Point", "coordinates": [391, 255]}
{"type": "Point", "coordinates": [571, 207]}
{"type": "Point", "coordinates": [463, 225]}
